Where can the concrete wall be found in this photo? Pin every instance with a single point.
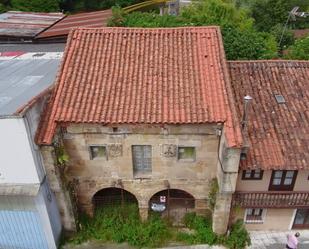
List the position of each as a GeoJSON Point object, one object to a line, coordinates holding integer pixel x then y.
{"type": "Point", "coordinates": [93, 175]}
{"type": "Point", "coordinates": [275, 219]}
{"type": "Point", "coordinates": [49, 215]}
{"type": "Point", "coordinates": [17, 164]}
{"type": "Point", "coordinates": [301, 184]}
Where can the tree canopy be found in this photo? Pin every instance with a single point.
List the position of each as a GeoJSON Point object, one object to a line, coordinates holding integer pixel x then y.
{"type": "Point", "coordinates": [35, 5]}
{"type": "Point", "coordinates": [241, 40]}
{"type": "Point", "coordinates": [300, 50]}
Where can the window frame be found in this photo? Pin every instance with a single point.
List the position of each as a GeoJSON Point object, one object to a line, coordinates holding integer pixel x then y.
{"type": "Point", "coordinates": [98, 145]}
{"type": "Point", "coordinates": [137, 172]}
{"type": "Point", "coordinates": [252, 173]}
{"type": "Point", "coordinates": [255, 221]}
{"type": "Point", "coordinates": [281, 186]}
{"type": "Point", "coordinates": [187, 159]}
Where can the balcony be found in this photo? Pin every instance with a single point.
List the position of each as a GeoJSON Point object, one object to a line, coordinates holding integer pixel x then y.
{"type": "Point", "coordinates": [271, 199]}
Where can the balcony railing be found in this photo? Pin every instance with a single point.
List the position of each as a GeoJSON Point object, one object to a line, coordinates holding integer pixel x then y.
{"type": "Point", "coordinates": [271, 199]}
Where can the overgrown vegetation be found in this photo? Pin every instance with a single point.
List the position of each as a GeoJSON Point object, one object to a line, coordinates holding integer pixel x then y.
{"type": "Point", "coordinates": [300, 50]}
{"type": "Point", "coordinates": [122, 224]}
{"type": "Point", "coordinates": [212, 195]}
{"type": "Point", "coordinates": [241, 40]}
{"type": "Point", "coordinates": [237, 239]}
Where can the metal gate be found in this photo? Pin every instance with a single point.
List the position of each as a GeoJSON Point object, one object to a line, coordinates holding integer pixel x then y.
{"type": "Point", "coordinates": [20, 229]}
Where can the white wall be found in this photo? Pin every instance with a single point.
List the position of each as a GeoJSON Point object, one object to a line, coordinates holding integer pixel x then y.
{"type": "Point", "coordinates": [16, 158]}
{"type": "Point", "coordinates": [49, 215]}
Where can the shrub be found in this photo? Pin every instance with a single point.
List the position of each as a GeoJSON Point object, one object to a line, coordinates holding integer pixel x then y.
{"type": "Point", "coordinates": [239, 237]}
{"type": "Point", "coordinates": [203, 230]}
{"type": "Point", "coordinates": [300, 50]}
{"type": "Point", "coordinates": [122, 224]}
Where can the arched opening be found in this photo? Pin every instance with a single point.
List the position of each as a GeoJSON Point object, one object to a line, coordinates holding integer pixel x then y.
{"type": "Point", "coordinates": [172, 203]}
{"type": "Point", "coordinates": [108, 197]}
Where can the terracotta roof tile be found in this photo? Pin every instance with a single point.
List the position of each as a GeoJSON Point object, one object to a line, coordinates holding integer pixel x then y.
{"type": "Point", "coordinates": [133, 75]}
{"type": "Point", "coordinates": [278, 133]}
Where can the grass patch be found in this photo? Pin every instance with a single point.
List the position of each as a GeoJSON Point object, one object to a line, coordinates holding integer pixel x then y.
{"type": "Point", "coordinates": [202, 233]}
{"type": "Point", "coordinates": [122, 224]}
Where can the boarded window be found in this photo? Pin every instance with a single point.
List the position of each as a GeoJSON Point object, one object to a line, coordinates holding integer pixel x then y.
{"type": "Point", "coordinates": [97, 152]}
{"type": "Point", "coordinates": [141, 158]}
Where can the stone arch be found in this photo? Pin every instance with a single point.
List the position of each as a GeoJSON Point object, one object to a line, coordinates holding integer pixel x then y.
{"type": "Point", "coordinates": [173, 203]}
{"type": "Point", "coordinates": [112, 196]}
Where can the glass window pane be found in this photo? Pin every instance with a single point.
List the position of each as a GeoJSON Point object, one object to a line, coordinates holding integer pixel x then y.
{"type": "Point", "coordinates": [141, 157]}
{"type": "Point", "coordinates": [287, 181]}
{"type": "Point", "coordinates": [278, 174]}
{"type": "Point", "coordinates": [300, 217]}
{"type": "Point", "coordinates": [257, 174]}
{"type": "Point", "coordinates": [276, 181]}
{"type": "Point", "coordinates": [249, 211]}
{"type": "Point", "coordinates": [289, 174]}
{"type": "Point", "coordinates": [247, 173]}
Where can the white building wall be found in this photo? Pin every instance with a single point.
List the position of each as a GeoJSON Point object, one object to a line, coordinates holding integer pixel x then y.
{"type": "Point", "coordinates": [17, 164]}
{"type": "Point", "coordinates": [49, 215]}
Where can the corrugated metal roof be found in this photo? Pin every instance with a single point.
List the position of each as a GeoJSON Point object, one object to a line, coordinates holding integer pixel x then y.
{"type": "Point", "coordinates": [31, 47]}
{"type": "Point", "coordinates": [26, 24]}
{"type": "Point", "coordinates": [25, 76]}
{"type": "Point", "coordinates": [90, 19]}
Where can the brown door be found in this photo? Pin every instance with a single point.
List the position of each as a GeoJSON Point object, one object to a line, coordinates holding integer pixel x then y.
{"type": "Point", "coordinates": [282, 180]}
{"type": "Point", "coordinates": [301, 220]}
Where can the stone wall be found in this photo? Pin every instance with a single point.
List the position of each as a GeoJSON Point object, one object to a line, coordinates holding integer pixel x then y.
{"type": "Point", "coordinates": [57, 186]}
{"type": "Point", "coordinates": [116, 170]}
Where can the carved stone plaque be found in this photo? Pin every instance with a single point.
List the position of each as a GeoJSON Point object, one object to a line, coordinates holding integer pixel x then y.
{"type": "Point", "coordinates": [168, 150]}
{"type": "Point", "coordinates": [114, 150]}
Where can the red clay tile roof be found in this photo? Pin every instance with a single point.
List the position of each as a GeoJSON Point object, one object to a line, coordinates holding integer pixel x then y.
{"type": "Point", "coordinates": [150, 76]}
{"type": "Point", "coordinates": [278, 133]}
{"type": "Point", "coordinates": [88, 19]}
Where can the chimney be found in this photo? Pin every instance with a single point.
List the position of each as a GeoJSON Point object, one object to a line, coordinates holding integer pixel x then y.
{"type": "Point", "coordinates": [247, 101]}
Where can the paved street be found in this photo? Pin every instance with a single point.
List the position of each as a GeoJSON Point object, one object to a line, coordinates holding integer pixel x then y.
{"type": "Point", "coordinates": [276, 240]}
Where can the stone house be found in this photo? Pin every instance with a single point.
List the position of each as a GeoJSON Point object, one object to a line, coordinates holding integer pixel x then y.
{"type": "Point", "coordinates": [272, 191]}
{"type": "Point", "coordinates": [145, 115]}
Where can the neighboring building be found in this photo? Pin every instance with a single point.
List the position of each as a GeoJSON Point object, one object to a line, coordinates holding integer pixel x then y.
{"type": "Point", "coordinates": [272, 189]}
{"type": "Point", "coordinates": [17, 26]}
{"type": "Point", "coordinates": [60, 30]}
{"type": "Point", "coordinates": [147, 116]}
{"type": "Point", "coordinates": [29, 217]}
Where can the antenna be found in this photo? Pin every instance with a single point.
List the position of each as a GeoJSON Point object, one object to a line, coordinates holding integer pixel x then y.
{"type": "Point", "coordinates": [292, 14]}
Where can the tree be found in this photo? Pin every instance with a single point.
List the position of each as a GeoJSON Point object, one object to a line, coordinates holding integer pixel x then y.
{"type": "Point", "coordinates": [241, 40]}
{"type": "Point", "coordinates": [248, 44]}
{"type": "Point", "coordinates": [268, 13]}
{"type": "Point", "coordinates": [300, 50]}
{"type": "Point", "coordinates": [217, 12]}
{"type": "Point", "coordinates": [287, 36]}
{"type": "Point", "coordinates": [35, 5]}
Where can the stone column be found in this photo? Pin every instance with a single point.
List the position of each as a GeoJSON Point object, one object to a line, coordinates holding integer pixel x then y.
{"type": "Point", "coordinates": [227, 172]}
{"type": "Point", "coordinates": [221, 213]}
{"type": "Point", "coordinates": [201, 207]}
{"type": "Point", "coordinates": [143, 212]}
{"type": "Point", "coordinates": [56, 185]}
